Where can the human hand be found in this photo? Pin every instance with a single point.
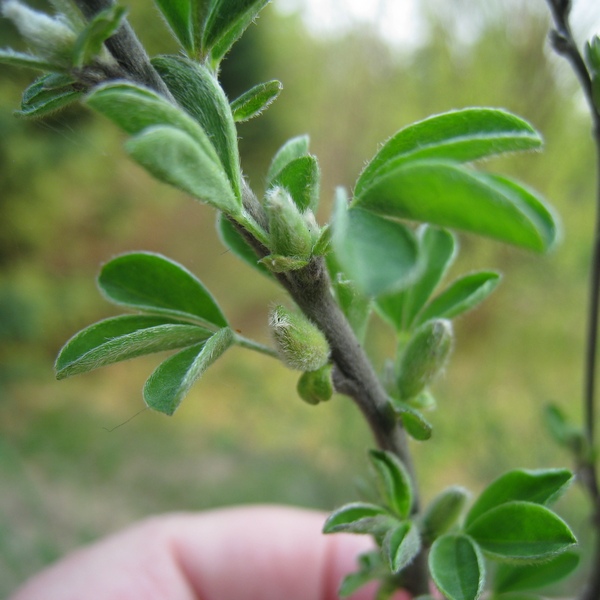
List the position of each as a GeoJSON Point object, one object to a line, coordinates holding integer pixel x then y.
{"type": "Point", "coordinates": [249, 553]}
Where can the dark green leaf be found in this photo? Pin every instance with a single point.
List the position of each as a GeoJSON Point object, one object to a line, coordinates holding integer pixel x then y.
{"type": "Point", "coordinates": [457, 567]}
{"type": "Point", "coordinates": [232, 238]}
{"type": "Point", "coordinates": [358, 517]}
{"type": "Point", "coordinates": [226, 22]}
{"type": "Point", "coordinates": [462, 295]}
{"type": "Point", "coordinates": [178, 14]}
{"type": "Point", "coordinates": [90, 41]}
{"type": "Point", "coordinates": [379, 255]}
{"type": "Point", "coordinates": [153, 283]}
{"type": "Point", "coordinates": [174, 157]}
{"type": "Point", "coordinates": [21, 59]}
{"type": "Point", "coordinates": [414, 422]}
{"type": "Point", "coordinates": [520, 578]}
{"type": "Point", "coordinates": [301, 178]}
{"type": "Point", "coordinates": [521, 531]}
{"type": "Point", "coordinates": [121, 338]}
{"type": "Point", "coordinates": [199, 93]}
{"type": "Point", "coordinates": [173, 379]}
{"type": "Point", "coordinates": [443, 512]}
{"type": "Point", "coordinates": [463, 135]}
{"type": "Point", "coordinates": [291, 150]}
{"type": "Point", "coordinates": [400, 545]}
{"type": "Point", "coordinates": [255, 101]}
{"type": "Point", "coordinates": [437, 250]}
{"type": "Point", "coordinates": [48, 94]}
{"type": "Point", "coordinates": [393, 482]}
{"type": "Point", "coordinates": [450, 195]}
{"type": "Point", "coordinates": [542, 487]}
{"type": "Point", "coordinates": [135, 108]}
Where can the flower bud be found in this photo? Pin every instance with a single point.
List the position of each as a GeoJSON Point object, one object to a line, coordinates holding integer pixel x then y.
{"type": "Point", "coordinates": [316, 386]}
{"type": "Point", "coordinates": [289, 231]}
{"type": "Point", "coordinates": [424, 357]}
{"type": "Point", "coordinates": [300, 344]}
{"type": "Point", "coordinates": [443, 512]}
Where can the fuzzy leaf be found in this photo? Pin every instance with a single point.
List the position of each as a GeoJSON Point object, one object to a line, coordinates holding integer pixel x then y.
{"type": "Point", "coordinates": [462, 135]}
{"type": "Point", "coordinates": [400, 545]}
{"type": "Point", "coordinates": [121, 338]}
{"type": "Point", "coordinates": [371, 567]}
{"type": "Point", "coordinates": [413, 421]}
{"type": "Point", "coordinates": [22, 59]}
{"type": "Point", "coordinates": [358, 517]}
{"type": "Point", "coordinates": [48, 94]}
{"type": "Point", "coordinates": [450, 195]}
{"type": "Point", "coordinates": [522, 578]}
{"type": "Point", "coordinates": [462, 295]}
{"type": "Point", "coordinates": [178, 14]}
{"type": "Point", "coordinates": [521, 531]}
{"type": "Point", "coordinates": [393, 482]}
{"type": "Point", "coordinates": [443, 512]}
{"type": "Point", "coordinates": [90, 41]}
{"type": "Point", "coordinates": [173, 379]}
{"type": "Point", "coordinates": [174, 157]}
{"type": "Point", "coordinates": [301, 178]}
{"type": "Point", "coordinates": [457, 567]}
{"type": "Point", "coordinates": [379, 255]}
{"type": "Point", "coordinates": [294, 148]}
{"type": "Point", "coordinates": [156, 284]}
{"type": "Point", "coordinates": [253, 102]}
{"type": "Point", "coordinates": [437, 250]}
{"type": "Point", "coordinates": [542, 487]}
{"type": "Point", "coordinates": [199, 93]}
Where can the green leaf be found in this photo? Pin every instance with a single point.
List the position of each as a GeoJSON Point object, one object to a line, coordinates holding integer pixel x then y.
{"type": "Point", "coordinates": [522, 578]}
{"type": "Point", "coordinates": [301, 178]}
{"type": "Point", "coordinates": [135, 108]}
{"type": "Point", "coordinates": [393, 482]}
{"type": "Point", "coordinates": [253, 102]}
{"type": "Point", "coordinates": [413, 421]}
{"type": "Point", "coordinates": [400, 545]}
{"type": "Point", "coordinates": [173, 379]}
{"type": "Point", "coordinates": [443, 512]}
{"type": "Point", "coordinates": [543, 486]}
{"type": "Point", "coordinates": [48, 94]}
{"type": "Point", "coordinates": [379, 255]}
{"type": "Point", "coordinates": [358, 517]}
{"type": "Point", "coordinates": [521, 531]}
{"type": "Point", "coordinates": [437, 250]}
{"type": "Point", "coordinates": [22, 59]}
{"type": "Point", "coordinates": [232, 238]}
{"type": "Point", "coordinates": [226, 22]}
{"type": "Point", "coordinates": [174, 157]}
{"type": "Point", "coordinates": [370, 567]}
{"type": "Point", "coordinates": [153, 283]}
{"type": "Point", "coordinates": [90, 41]}
{"type": "Point", "coordinates": [450, 195]}
{"type": "Point", "coordinates": [199, 93]}
{"type": "Point", "coordinates": [291, 150]}
{"type": "Point", "coordinates": [462, 135]}
{"type": "Point", "coordinates": [457, 567]}
{"type": "Point", "coordinates": [462, 295]}
{"type": "Point", "coordinates": [567, 434]}
{"type": "Point", "coordinates": [178, 14]}
{"type": "Point", "coordinates": [121, 338]}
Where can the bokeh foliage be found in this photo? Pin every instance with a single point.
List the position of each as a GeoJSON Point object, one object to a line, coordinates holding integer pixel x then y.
{"type": "Point", "coordinates": [70, 200]}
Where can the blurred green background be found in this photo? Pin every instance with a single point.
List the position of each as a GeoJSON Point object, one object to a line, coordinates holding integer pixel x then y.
{"type": "Point", "coordinates": [81, 458]}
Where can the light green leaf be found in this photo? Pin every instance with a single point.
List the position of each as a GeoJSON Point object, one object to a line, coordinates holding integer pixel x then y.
{"type": "Point", "coordinates": [567, 434]}
{"type": "Point", "coordinates": [301, 178]}
{"type": "Point", "coordinates": [450, 195]}
{"type": "Point", "coordinates": [522, 578]}
{"type": "Point", "coordinates": [542, 486]}
{"type": "Point", "coordinates": [174, 157]}
{"type": "Point", "coordinates": [413, 421]}
{"type": "Point", "coordinates": [48, 94]}
{"type": "Point", "coordinates": [178, 14]}
{"type": "Point", "coordinates": [153, 283]}
{"type": "Point", "coordinates": [393, 482]}
{"type": "Point", "coordinates": [521, 531]}
{"type": "Point", "coordinates": [437, 250]}
{"type": "Point", "coordinates": [400, 545]}
{"type": "Point", "coordinates": [90, 41]}
{"type": "Point", "coordinates": [358, 517]}
{"type": "Point", "coordinates": [173, 379]}
{"type": "Point", "coordinates": [22, 59]}
{"type": "Point", "coordinates": [199, 93]}
{"type": "Point", "coordinates": [121, 338]}
{"type": "Point", "coordinates": [371, 567]}
{"type": "Point", "coordinates": [457, 567]}
{"type": "Point", "coordinates": [294, 148]}
{"type": "Point", "coordinates": [226, 22]}
{"type": "Point", "coordinates": [379, 255]}
{"type": "Point", "coordinates": [443, 512]}
{"type": "Point", "coordinates": [462, 295]}
{"type": "Point", "coordinates": [462, 135]}
{"type": "Point", "coordinates": [253, 102]}
{"type": "Point", "coordinates": [135, 108]}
